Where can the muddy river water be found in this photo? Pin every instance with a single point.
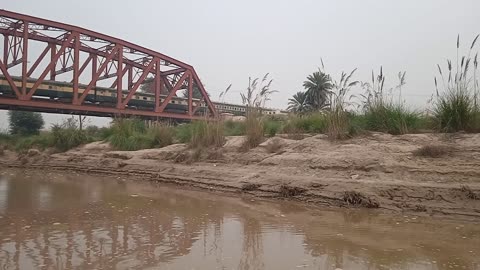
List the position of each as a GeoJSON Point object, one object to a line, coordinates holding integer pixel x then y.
{"type": "Point", "coordinates": [72, 221]}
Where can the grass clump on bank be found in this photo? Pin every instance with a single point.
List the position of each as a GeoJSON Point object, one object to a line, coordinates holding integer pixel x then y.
{"type": "Point", "coordinates": [456, 106]}
{"type": "Point", "coordinates": [207, 133]}
{"type": "Point", "coordinates": [254, 130]}
{"type": "Point", "coordinates": [433, 151]}
{"type": "Point", "coordinates": [308, 123]}
{"type": "Point", "coordinates": [456, 110]}
{"type": "Point", "coordinates": [62, 137]}
{"type": "Point", "coordinates": [132, 134]}
{"type": "Point", "coordinates": [382, 113]}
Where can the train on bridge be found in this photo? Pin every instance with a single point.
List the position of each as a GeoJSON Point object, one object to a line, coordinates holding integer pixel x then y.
{"type": "Point", "coordinates": [55, 91]}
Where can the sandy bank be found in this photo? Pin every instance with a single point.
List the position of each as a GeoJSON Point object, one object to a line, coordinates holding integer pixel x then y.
{"type": "Point", "coordinates": [378, 170]}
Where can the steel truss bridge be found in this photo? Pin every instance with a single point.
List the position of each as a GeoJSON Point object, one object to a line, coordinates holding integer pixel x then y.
{"type": "Point", "coordinates": [37, 53]}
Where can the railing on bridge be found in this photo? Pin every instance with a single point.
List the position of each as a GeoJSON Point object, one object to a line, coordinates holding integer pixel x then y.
{"type": "Point", "coordinates": [38, 53]}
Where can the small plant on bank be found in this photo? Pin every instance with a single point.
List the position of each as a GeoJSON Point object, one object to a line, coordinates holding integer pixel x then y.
{"type": "Point", "coordinates": [433, 151]}
{"type": "Point", "coordinates": [274, 145]}
{"type": "Point", "coordinates": [457, 107]}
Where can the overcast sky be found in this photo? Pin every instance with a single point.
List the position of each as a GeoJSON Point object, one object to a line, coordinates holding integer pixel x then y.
{"type": "Point", "coordinates": [228, 41]}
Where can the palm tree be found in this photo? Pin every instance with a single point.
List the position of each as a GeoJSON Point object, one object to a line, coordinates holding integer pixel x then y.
{"type": "Point", "coordinates": [299, 103]}
{"type": "Point", "coordinates": [318, 89]}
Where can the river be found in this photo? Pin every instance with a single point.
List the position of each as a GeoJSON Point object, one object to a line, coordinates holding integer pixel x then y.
{"type": "Point", "coordinates": [72, 221]}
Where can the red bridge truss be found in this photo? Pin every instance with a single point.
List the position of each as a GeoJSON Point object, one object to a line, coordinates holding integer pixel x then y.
{"type": "Point", "coordinates": [38, 52]}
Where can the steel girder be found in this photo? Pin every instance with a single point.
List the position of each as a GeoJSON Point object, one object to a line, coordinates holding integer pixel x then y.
{"type": "Point", "coordinates": [71, 51]}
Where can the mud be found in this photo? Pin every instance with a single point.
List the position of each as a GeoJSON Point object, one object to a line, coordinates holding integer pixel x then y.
{"type": "Point", "coordinates": [377, 170]}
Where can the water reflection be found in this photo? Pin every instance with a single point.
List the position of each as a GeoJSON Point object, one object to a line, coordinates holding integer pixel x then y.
{"type": "Point", "coordinates": [50, 221]}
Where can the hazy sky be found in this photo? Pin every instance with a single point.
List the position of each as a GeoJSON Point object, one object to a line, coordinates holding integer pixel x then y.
{"type": "Point", "coordinates": [228, 41]}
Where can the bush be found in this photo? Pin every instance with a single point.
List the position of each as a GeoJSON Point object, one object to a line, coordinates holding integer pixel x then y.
{"type": "Point", "coordinates": [391, 118]}
{"type": "Point", "coordinates": [25, 123]}
{"type": "Point", "coordinates": [455, 111]}
{"type": "Point", "coordinates": [310, 123]}
{"type": "Point", "coordinates": [97, 133]}
{"type": "Point", "coordinates": [132, 135]}
{"type": "Point", "coordinates": [271, 127]}
{"type": "Point", "coordinates": [66, 138]}
{"type": "Point", "coordinates": [184, 133]}
{"type": "Point", "coordinates": [434, 151]}
{"type": "Point", "coordinates": [41, 142]}
{"type": "Point", "coordinates": [254, 130]}
{"type": "Point", "coordinates": [161, 135]}
{"type": "Point", "coordinates": [234, 128]}
{"type": "Point", "coordinates": [5, 139]}
{"type": "Point", "coordinates": [207, 133]}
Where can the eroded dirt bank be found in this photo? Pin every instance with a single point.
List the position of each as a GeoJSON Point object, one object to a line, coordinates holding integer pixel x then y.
{"type": "Point", "coordinates": [375, 171]}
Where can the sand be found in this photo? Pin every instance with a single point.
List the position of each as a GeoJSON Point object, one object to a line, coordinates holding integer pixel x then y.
{"type": "Point", "coordinates": [376, 170]}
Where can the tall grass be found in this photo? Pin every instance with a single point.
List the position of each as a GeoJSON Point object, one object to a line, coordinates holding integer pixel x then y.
{"type": "Point", "coordinates": [337, 118]}
{"type": "Point", "coordinates": [382, 112]}
{"type": "Point", "coordinates": [207, 133]}
{"type": "Point", "coordinates": [132, 134]}
{"type": "Point", "coordinates": [254, 129]}
{"type": "Point", "coordinates": [41, 141]}
{"type": "Point", "coordinates": [308, 123]}
{"type": "Point", "coordinates": [234, 128]}
{"type": "Point", "coordinates": [65, 138]}
{"type": "Point", "coordinates": [256, 95]}
{"type": "Point", "coordinates": [456, 106]}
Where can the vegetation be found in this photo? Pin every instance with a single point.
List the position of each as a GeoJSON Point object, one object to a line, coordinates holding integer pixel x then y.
{"type": "Point", "coordinates": [324, 106]}
{"type": "Point", "coordinates": [299, 103]}
{"type": "Point", "coordinates": [433, 151]}
{"type": "Point", "coordinates": [254, 98]}
{"type": "Point", "coordinates": [68, 135]}
{"type": "Point", "coordinates": [456, 106]}
{"type": "Point", "coordinates": [25, 123]}
{"type": "Point", "coordinates": [132, 134]}
{"type": "Point", "coordinates": [337, 118]}
{"type": "Point", "coordinates": [381, 110]}
{"type": "Point", "coordinates": [207, 133]}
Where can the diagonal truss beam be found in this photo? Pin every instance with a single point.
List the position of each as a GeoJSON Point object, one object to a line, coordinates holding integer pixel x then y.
{"type": "Point", "coordinates": [132, 91]}
{"type": "Point", "coordinates": [3, 67]}
{"type": "Point", "coordinates": [97, 74]}
{"type": "Point", "coordinates": [173, 91]}
{"type": "Point", "coordinates": [50, 65]}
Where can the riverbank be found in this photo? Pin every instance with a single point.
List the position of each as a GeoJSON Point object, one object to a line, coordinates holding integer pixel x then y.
{"type": "Point", "coordinates": [374, 171]}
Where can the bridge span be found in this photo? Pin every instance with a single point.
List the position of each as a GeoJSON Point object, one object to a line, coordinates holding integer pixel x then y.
{"type": "Point", "coordinates": [49, 66]}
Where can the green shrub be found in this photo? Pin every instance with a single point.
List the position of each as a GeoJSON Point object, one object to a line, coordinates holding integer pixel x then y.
{"type": "Point", "coordinates": [310, 123]}
{"type": "Point", "coordinates": [234, 128]}
{"type": "Point", "coordinates": [207, 133]}
{"type": "Point", "coordinates": [338, 123]}
{"type": "Point", "coordinates": [129, 135]}
{"type": "Point", "coordinates": [161, 135]}
{"type": "Point", "coordinates": [184, 133]}
{"type": "Point", "coordinates": [271, 127]}
{"type": "Point", "coordinates": [455, 111]}
{"type": "Point", "coordinates": [97, 133]}
{"type": "Point", "coordinates": [41, 142]}
{"type": "Point", "coordinates": [391, 118]}
{"type": "Point", "coordinates": [254, 130]}
{"type": "Point", "coordinates": [25, 123]}
{"type": "Point", "coordinates": [6, 140]}
{"type": "Point", "coordinates": [66, 138]}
